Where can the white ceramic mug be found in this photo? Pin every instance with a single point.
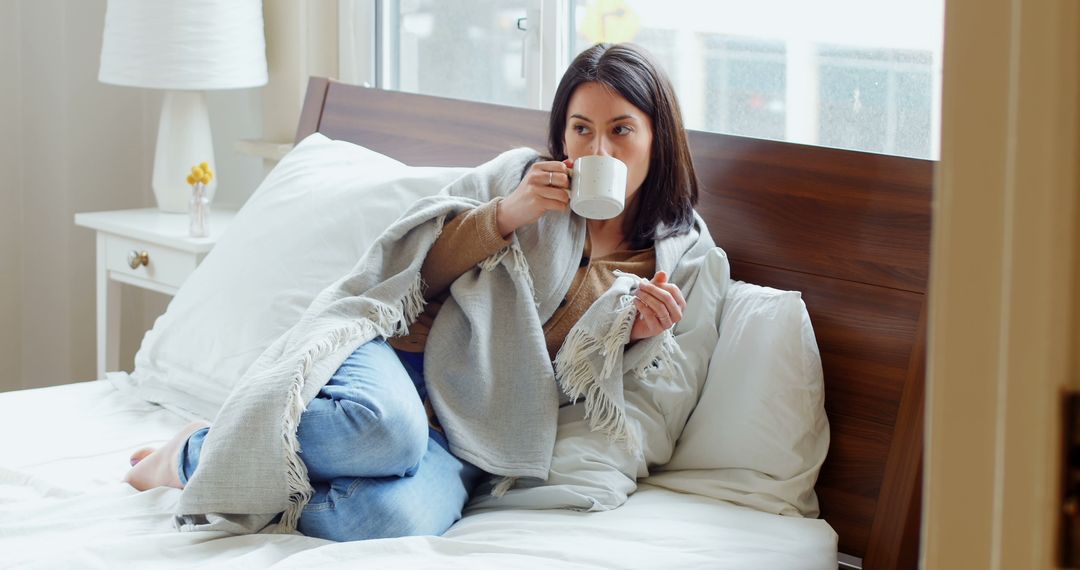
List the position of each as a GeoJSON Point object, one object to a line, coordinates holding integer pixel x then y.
{"type": "Point", "coordinates": [598, 187]}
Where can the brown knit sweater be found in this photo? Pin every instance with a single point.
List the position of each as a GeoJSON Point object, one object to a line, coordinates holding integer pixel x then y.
{"type": "Point", "coordinates": [473, 236]}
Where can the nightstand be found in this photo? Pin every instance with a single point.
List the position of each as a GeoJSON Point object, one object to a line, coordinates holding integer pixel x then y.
{"type": "Point", "coordinates": [146, 248]}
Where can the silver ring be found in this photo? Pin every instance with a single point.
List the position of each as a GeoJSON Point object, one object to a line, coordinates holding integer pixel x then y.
{"type": "Point", "coordinates": [550, 174]}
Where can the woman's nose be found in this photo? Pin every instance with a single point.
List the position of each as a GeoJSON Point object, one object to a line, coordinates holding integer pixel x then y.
{"type": "Point", "coordinates": [602, 147]}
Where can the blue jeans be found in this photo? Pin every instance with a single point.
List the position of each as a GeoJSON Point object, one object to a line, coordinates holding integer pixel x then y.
{"type": "Point", "coordinates": [378, 470]}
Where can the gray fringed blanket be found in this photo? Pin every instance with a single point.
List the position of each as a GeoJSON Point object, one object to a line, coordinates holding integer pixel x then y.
{"type": "Point", "coordinates": [488, 373]}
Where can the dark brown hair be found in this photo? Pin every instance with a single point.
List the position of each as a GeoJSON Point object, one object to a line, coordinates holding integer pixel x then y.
{"type": "Point", "coordinates": [665, 201]}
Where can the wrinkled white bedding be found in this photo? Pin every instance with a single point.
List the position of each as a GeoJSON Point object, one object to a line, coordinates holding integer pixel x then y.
{"type": "Point", "coordinates": [63, 451]}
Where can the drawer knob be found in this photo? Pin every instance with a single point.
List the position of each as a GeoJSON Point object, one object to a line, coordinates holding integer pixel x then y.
{"type": "Point", "coordinates": [137, 258]}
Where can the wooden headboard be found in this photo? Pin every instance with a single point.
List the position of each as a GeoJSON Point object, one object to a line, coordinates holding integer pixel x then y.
{"type": "Point", "coordinates": [850, 230]}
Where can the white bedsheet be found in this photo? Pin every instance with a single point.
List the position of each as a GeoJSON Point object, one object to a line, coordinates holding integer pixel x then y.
{"type": "Point", "coordinates": [63, 451]}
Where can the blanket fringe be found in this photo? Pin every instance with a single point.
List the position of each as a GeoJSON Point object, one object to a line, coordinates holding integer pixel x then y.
{"type": "Point", "coordinates": [296, 475]}
{"type": "Point", "coordinates": [413, 303]}
{"type": "Point", "coordinates": [503, 486]}
{"type": "Point", "coordinates": [388, 320]}
{"type": "Point", "coordinates": [391, 321]}
{"type": "Point", "coordinates": [616, 339]}
{"type": "Point", "coordinates": [660, 359]}
{"type": "Point", "coordinates": [384, 320]}
{"type": "Point", "coordinates": [578, 379]}
{"type": "Point", "coordinates": [300, 490]}
{"type": "Point", "coordinates": [495, 259]}
{"type": "Point", "coordinates": [520, 267]}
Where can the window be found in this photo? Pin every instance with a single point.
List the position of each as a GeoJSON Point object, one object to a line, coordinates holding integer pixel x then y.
{"type": "Point", "coordinates": [853, 74]}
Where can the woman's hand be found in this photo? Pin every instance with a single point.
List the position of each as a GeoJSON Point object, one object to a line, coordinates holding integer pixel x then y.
{"type": "Point", "coordinates": [660, 305]}
{"type": "Point", "coordinates": [545, 187]}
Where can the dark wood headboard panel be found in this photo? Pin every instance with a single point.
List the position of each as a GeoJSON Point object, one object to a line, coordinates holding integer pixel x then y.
{"type": "Point", "coordinates": [850, 230]}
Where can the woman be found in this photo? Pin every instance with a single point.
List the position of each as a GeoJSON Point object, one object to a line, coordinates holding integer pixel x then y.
{"type": "Point", "coordinates": [373, 449]}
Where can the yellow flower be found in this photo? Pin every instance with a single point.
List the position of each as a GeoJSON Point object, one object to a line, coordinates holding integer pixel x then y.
{"type": "Point", "coordinates": [200, 174]}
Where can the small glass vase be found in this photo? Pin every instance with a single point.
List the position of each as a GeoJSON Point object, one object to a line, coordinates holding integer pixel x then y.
{"type": "Point", "coordinates": [199, 212]}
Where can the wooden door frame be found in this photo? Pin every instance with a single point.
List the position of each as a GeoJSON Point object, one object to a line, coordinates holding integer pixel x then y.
{"type": "Point", "coordinates": [1004, 314]}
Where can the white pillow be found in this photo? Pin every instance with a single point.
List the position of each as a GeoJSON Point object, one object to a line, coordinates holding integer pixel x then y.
{"type": "Point", "coordinates": [306, 225]}
{"type": "Point", "coordinates": [759, 434]}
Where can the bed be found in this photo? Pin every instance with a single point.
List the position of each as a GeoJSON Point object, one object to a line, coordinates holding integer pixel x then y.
{"type": "Point", "coordinates": [849, 230]}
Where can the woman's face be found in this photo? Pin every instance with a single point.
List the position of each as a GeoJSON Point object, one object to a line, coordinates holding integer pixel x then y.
{"type": "Point", "coordinates": [600, 121]}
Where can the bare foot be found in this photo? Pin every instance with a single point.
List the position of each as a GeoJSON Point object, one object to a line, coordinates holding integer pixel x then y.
{"type": "Point", "coordinates": [140, 454]}
{"type": "Point", "coordinates": [157, 467]}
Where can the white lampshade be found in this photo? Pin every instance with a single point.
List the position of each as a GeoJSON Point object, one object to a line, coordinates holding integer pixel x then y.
{"type": "Point", "coordinates": [186, 47]}
{"type": "Point", "coordinates": [184, 44]}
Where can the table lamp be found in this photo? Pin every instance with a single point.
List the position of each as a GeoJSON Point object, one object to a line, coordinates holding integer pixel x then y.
{"type": "Point", "coordinates": [184, 47]}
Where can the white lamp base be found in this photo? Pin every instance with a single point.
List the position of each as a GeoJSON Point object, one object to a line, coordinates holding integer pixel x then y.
{"type": "Point", "coordinates": [183, 140]}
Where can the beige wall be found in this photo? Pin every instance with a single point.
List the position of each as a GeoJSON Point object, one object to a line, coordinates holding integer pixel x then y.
{"type": "Point", "coordinates": [73, 144]}
{"type": "Point", "coordinates": [10, 196]}
{"type": "Point", "coordinates": [70, 127]}
{"type": "Point", "coordinates": [302, 40]}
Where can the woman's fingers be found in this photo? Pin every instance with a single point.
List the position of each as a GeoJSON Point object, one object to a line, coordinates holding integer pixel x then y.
{"type": "Point", "coordinates": [542, 189]}
{"type": "Point", "coordinates": [550, 173]}
{"type": "Point", "coordinates": [661, 280]}
{"type": "Point", "coordinates": [553, 193]}
{"type": "Point", "coordinates": [675, 293]}
{"type": "Point", "coordinates": [550, 182]}
{"type": "Point", "coordinates": [662, 302]}
{"type": "Point", "coordinates": [550, 179]}
{"type": "Point", "coordinates": [649, 320]}
{"type": "Point", "coordinates": [552, 202]}
{"type": "Point", "coordinates": [656, 312]}
{"type": "Point", "coordinates": [642, 309]}
{"type": "Point", "coordinates": [660, 305]}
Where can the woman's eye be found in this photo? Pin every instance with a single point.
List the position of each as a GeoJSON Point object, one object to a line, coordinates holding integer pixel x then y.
{"type": "Point", "coordinates": [581, 129]}
{"type": "Point", "coordinates": [623, 130]}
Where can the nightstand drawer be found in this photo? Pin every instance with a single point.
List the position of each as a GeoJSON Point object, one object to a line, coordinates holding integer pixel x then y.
{"type": "Point", "coordinates": [171, 256]}
{"type": "Point", "coordinates": [164, 265]}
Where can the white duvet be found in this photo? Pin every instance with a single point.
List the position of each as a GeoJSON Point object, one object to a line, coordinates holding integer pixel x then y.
{"type": "Point", "coordinates": [63, 451]}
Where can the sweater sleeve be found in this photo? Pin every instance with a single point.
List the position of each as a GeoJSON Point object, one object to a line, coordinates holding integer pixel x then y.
{"type": "Point", "coordinates": [465, 241]}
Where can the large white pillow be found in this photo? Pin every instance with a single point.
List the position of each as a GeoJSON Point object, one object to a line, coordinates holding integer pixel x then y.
{"type": "Point", "coordinates": [305, 226]}
{"type": "Point", "coordinates": [759, 434]}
